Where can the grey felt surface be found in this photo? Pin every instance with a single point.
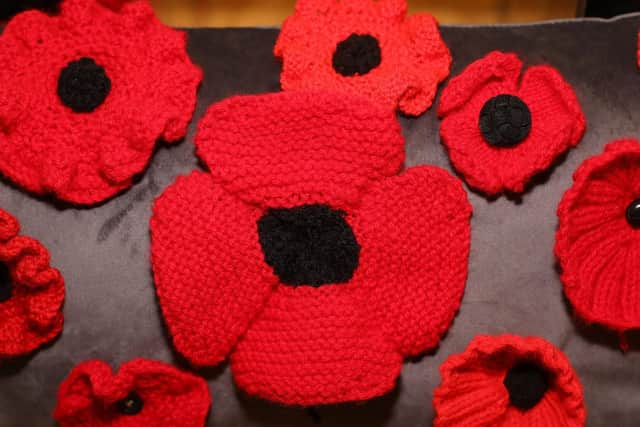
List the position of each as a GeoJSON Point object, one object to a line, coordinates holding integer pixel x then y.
{"type": "Point", "coordinates": [111, 311]}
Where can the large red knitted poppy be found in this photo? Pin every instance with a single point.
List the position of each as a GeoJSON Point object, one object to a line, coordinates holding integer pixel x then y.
{"type": "Point", "coordinates": [500, 129]}
{"type": "Point", "coordinates": [598, 239]}
{"type": "Point", "coordinates": [31, 292]}
{"type": "Point", "coordinates": [86, 93]}
{"type": "Point", "coordinates": [143, 393]}
{"type": "Point", "coordinates": [364, 47]}
{"type": "Point", "coordinates": [302, 254]}
{"type": "Point", "coordinates": [509, 381]}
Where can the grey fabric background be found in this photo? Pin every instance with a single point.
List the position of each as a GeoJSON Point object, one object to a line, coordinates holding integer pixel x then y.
{"type": "Point", "coordinates": [111, 310]}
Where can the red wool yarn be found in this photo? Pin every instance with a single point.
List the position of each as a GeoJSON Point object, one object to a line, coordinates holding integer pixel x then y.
{"type": "Point", "coordinates": [598, 237]}
{"type": "Point", "coordinates": [142, 393]}
{"type": "Point", "coordinates": [85, 95]}
{"type": "Point", "coordinates": [31, 292]}
{"type": "Point", "coordinates": [486, 384]}
{"type": "Point", "coordinates": [238, 253]}
{"type": "Point", "coordinates": [365, 48]}
{"type": "Point", "coordinates": [487, 143]}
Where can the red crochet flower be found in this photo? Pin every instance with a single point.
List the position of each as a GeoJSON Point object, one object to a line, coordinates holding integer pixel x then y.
{"type": "Point", "coordinates": [31, 292]}
{"type": "Point", "coordinates": [501, 130]}
{"type": "Point", "coordinates": [302, 254]}
{"type": "Point", "coordinates": [86, 93]}
{"type": "Point", "coordinates": [366, 48]}
{"type": "Point", "coordinates": [509, 381]}
{"type": "Point", "coordinates": [598, 240]}
{"type": "Point", "coordinates": [143, 393]}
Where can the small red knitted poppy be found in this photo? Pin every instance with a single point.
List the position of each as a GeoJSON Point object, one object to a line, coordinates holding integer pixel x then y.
{"type": "Point", "coordinates": [31, 292]}
{"type": "Point", "coordinates": [598, 239]}
{"type": "Point", "coordinates": [302, 254]}
{"type": "Point", "coordinates": [86, 93]}
{"type": "Point", "coordinates": [366, 48]}
{"type": "Point", "coordinates": [509, 381]}
{"type": "Point", "coordinates": [501, 130]}
{"type": "Point", "coordinates": [142, 393]}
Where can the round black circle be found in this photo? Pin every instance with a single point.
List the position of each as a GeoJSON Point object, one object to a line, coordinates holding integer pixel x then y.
{"type": "Point", "coordinates": [130, 405]}
{"type": "Point", "coordinates": [526, 383]}
{"type": "Point", "coordinates": [357, 55]}
{"type": "Point", "coordinates": [6, 285]}
{"type": "Point", "coordinates": [83, 85]}
{"type": "Point", "coordinates": [633, 213]}
{"type": "Point", "coordinates": [505, 121]}
{"type": "Point", "coordinates": [309, 245]}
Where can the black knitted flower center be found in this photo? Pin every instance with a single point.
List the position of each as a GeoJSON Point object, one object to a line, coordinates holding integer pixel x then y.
{"type": "Point", "coordinates": [526, 383]}
{"type": "Point", "coordinates": [505, 121]}
{"type": "Point", "coordinates": [633, 213]}
{"type": "Point", "coordinates": [130, 405]}
{"type": "Point", "coordinates": [83, 85]}
{"type": "Point", "coordinates": [6, 285]}
{"type": "Point", "coordinates": [309, 245]}
{"type": "Point", "coordinates": [357, 55]}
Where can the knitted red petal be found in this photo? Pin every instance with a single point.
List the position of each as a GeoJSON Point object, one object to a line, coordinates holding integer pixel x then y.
{"type": "Point", "coordinates": [597, 248]}
{"type": "Point", "coordinates": [90, 394]}
{"type": "Point", "coordinates": [557, 122]}
{"type": "Point", "coordinates": [472, 392]}
{"type": "Point", "coordinates": [32, 316]}
{"type": "Point", "coordinates": [287, 149]}
{"type": "Point", "coordinates": [85, 158]}
{"type": "Point", "coordinates": [414, 58]}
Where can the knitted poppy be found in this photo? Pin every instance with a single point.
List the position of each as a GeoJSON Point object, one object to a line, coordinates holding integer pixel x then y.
{"type": "Point", "coordinates": [509, 381]}
{"type": "Point", "coordinates": [500, 129]}
{"type": "Point", "coordinates": [302, 254]}
{"type": "Point", "coordinates": [143, 393]}
{"type": "Point", "coordinates": [364, 47]}
{"type": "Point", "coordinates": [598, 239]}
{"type": "Point", "coordinates": [86, 93]}
{"type": "Point", "coordinates": [31, 292]}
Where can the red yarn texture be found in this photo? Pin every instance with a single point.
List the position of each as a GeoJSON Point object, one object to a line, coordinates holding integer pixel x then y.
{"type": "Point", "coordinates": [85, 158]}
{"type": "Point", "coordinates": [597, 248]}
{"type": "Point", "coordinates": [32, 316]}
{"type": "Point", "coordinates": [308, 345]}
{"type": "Point", "coordinates": [171, 398]}
{"type": "Point", "coordinates": [414, 56]}
{"type": "Point", "coordinates": [472, 392]}
{"type": "Point", "coordinates": [557, 122]}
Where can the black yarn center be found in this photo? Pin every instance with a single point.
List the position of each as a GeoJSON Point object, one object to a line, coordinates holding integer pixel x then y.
{"type": "Point", "coordinates": [83, 85]}
{"type": "Point", "coordinates": [505, 121]}
{"type": "Point", "coordinates": [130, 405]}
{"type": "Point", "coordinates": [526, 383]}
{"type": "Point", "coordinates": [9, 8]}
{"type": "Point", "coordinates": [6, 285]}
{"type": "Point", "coordinates": [633, 213]}
{"type": "Point", "coordinates": [357, 55]}
{"type": "Point", "coordinates": [309, 245]}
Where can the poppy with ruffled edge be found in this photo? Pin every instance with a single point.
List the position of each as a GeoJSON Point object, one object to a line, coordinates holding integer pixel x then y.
{"type": "Point", "coordinates": [509, 381]}
{"type": "Point", "coordinates": [302, 254]}
{"type": "Point", "coordinates": [31, 292]}
{"type": "Point", "coordinates": [364, 47]}
{"type": "Point", "coordinates": [142, 393]}
{"type": "Point", "coordinates": [86, 93]}
{"type": "Point", "coordinates": [500, 129]}
{"type": "Point", "coordinates": [598, 239]}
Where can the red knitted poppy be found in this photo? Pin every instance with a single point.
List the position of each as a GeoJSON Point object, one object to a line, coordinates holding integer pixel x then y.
{"type": "Point", "coordinates": [496, 153]}
{"type": "Point", "coordinates": [86, 93]}
{"type": "Point", "coordinates": [598, 238]}
{"type": "Point", "coordinates": [143, 393]}
{"type": "Point", "coordinates": [366, 48]}
{"type": "Point", "coordinates": [31, 292]}
{"type": "Point", "coordinates": [485, 385]}
{"type": "Point", "coordinates": [283, 166]}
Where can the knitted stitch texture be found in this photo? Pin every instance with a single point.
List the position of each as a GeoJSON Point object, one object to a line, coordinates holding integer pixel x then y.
{"type": "Point", "coordinates": [473, 391]}
{"type": "Point", "coordinates": [146, 89]}
{"type": "Point", "coordinates": [412, 56]}
{"type": "Point", "coordinates": [556, 122]}
{"type": "Point", "coordinates": [31, 307]}
{"type": "Point", "coordinates": [306, 345]}
{"type": "Point", "coordinates": [596, 244]}
{"type": "Point", "coordinates": [143, 393]}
